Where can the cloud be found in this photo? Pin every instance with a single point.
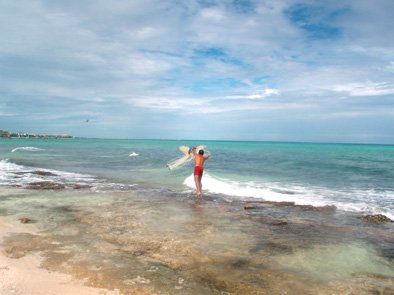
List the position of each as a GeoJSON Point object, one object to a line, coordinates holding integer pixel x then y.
{"type": "Point", "coordinates": [366, 89]}
{"type": "Point", "coordinates": [218, 58]}
{"type": "Point", "coordinates": [213, 14]}
{"type": "Point", "coordinates": [165, 103]}
{"type": "Point", "coordinates": [257, 94]}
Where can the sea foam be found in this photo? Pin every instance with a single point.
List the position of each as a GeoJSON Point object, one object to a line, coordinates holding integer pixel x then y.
{"type": "Point", "coordinates": [133, 154]}
{"type": "Point", "coordinates": [356, 201]}
{"type": "Point", "coordinates": [27, 148]}
{"type": "Point", "coordinates": [23, 176]}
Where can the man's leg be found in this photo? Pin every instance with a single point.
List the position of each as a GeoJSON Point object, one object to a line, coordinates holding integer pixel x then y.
{"type": "Point", "coordinates": [196, 180]}
{"type": "Point", "coordinates": [200, 183]}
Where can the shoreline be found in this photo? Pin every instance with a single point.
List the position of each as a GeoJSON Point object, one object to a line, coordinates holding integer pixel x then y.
{"type": "Point", "coordinates": [21, 275]}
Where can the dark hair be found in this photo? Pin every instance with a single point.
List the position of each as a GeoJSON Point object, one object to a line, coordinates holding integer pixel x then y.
{"type": "Point", "coordinates": [201, 152]}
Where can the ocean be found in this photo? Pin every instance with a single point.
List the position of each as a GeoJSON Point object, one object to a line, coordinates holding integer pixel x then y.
{"type": "Point", "coordinates": [117, 199]}
{"type": "Point", "coordinates": [351, 177]}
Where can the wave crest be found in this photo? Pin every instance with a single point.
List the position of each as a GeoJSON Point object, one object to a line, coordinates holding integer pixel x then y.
{"type": "Point", "coordinates": [355, 201]}
{"type": "Point", "coordinates": [27, 148]}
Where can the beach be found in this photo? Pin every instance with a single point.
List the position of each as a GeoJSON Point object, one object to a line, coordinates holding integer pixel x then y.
{"type": "Point", "coordinates": [100, 221]}
{"type": "Point", "coordinates": [23, 275]}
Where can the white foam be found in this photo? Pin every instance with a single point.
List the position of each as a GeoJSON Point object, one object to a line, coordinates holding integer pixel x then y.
{"type": "Point", "coordinates": [27, 148]}
{"type": "Point", "coordinates": [133, 154]}
{"type": "Point", "coordinates": [14, 174]}
{"type": "Point", "coordinates": [367, 201]}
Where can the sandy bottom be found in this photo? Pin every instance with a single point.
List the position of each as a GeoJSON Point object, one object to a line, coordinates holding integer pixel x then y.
{"type": "Point", "coordinates": [24, 275]}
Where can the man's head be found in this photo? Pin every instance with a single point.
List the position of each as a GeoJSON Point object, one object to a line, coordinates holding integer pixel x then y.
{"type": "Point", "coordinates": [201, 152]}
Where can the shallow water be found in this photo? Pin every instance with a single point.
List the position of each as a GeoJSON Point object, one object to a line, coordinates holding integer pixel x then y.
{"type": "Point", "coordinates": [159, 244]}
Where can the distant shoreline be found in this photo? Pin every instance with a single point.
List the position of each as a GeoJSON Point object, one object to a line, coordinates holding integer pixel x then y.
{"type": "Point", "coordinates": [196, 140]}
{"type": "Point", "coordinates": [239, 141]}
{"type": "Point", "coordinates": [7, 134]}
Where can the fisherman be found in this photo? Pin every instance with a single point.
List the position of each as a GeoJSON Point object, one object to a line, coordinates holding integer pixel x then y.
{"type": "Point", "coordinates": [199, 168]}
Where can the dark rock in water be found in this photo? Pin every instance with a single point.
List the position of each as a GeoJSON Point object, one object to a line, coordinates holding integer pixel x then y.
{"type": "Point", "coordinates": [327, 208]}
{"type": "Point", "coordinates": [239, 263]}
{"type": "Point", "coordinates": [250, 207]}
{"type": "Point", "coordinates": [65, 209]}
{"type": "Point", "coordinates": [138, 252]}
{"type": "Point", "coordinates": [24, 220]}
{"type": "Point", "coordinates": [318, 208]}
{"type": "Point", "coordinates": [43, 173]}
{"type": "Point", "coordinates": [44, 185]}
{"type": "Point", "coordinates": [279, 222]}
{"type": "Point", "coordinates": [81, 186]}
{"type": "Point", "coordinates": [377, 218]}
{"type": "Point", "coordinates": [279, 204]}
{"type": "Point", "coordinates": [279, 247]}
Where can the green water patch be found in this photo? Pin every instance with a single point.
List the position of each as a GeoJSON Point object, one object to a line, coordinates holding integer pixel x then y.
{"type": "Point", "coordinates": [336, 262]}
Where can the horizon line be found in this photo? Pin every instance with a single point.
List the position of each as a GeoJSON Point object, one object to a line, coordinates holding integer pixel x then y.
{"type": "Point", "coordinates": [236, 140]}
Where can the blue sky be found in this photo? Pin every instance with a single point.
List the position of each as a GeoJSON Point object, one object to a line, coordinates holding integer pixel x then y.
{"type": "Point", "coordinates": [199, 69]}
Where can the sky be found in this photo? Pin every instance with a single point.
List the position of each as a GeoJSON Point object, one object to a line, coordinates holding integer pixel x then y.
{"type": "Point", "coordinates": [279, 70]}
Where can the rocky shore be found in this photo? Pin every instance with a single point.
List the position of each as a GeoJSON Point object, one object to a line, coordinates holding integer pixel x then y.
{"type": "Point", "coordinates": [135, 243]}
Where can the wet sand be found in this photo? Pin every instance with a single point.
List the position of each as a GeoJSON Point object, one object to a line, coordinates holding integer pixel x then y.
{"type": "Point", "coordinates": [153, 243]}
{"type": "Point", "coordinates": [24, 275]}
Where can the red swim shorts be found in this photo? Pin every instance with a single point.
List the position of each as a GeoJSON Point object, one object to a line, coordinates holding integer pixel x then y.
{"type": "Point", "coordinates": [198, 170]}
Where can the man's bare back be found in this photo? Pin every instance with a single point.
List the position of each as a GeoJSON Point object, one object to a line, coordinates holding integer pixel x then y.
{"type": "Point", "coordinates": [200, 159]}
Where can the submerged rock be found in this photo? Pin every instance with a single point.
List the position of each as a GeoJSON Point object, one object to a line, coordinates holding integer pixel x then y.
{"type": "Point", "coordinates": [377, 218]}
{"type": "Point", "coordinates": [250, 207]}
{"type": "Point", "coordinates": [81, 186]}
{"type": "Point", "coordinates": [18, 245]}
{"type": "Point", "coordinates": [279, 222]}
{"type": "Point", "coordinates": [24, 220]}
{"type": "Point", "coordinates": [327, 208]}
{"type": "Point", "coordinates": [43, 173]}
{"type": "Point", "coordinates": [44, 185]}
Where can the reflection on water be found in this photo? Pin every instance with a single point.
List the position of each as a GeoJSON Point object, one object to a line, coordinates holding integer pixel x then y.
{"type": "Point", "coordinates": [158, 244]}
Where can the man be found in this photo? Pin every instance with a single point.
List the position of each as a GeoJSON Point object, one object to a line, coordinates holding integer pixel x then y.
{"type": "Point", "coordinates": [199, 168]}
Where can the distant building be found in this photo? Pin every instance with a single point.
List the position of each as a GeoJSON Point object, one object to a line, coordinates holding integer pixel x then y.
{"type": "Point", "coordinates": [4, 134]}
{"type": "Point", "coordinates": [28, 135]}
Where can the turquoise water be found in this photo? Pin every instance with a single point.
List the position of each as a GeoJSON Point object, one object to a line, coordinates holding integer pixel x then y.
{"type": "Point", "coordinates": [352, 177]}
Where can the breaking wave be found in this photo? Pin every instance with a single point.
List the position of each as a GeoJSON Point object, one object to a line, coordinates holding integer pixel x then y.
{"type": "Point", "coordinates": [367, 201]}
{"type": "Point", "coordinates": [23, 176]}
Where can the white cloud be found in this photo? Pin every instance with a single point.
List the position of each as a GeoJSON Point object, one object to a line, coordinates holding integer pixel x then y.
{"type": "Point", "coordinates": [265, 93]}
{"type": "Point", "coordinates": [260, 94]}
{"type": "Point", "coordinates": [140, 64]}
{"type": "Point", "coordinates": [366, 89]}
{"type": "Point", "coordinates": [390, 67]}
{"type": "Point", "coordinates": [214, 14]}
{"type": "Point", "coordinates": [165, 103]}
{"type": "Point", "coordinates": [147, 54]}
{"type": "Point", "coordinates": [146, 32]}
